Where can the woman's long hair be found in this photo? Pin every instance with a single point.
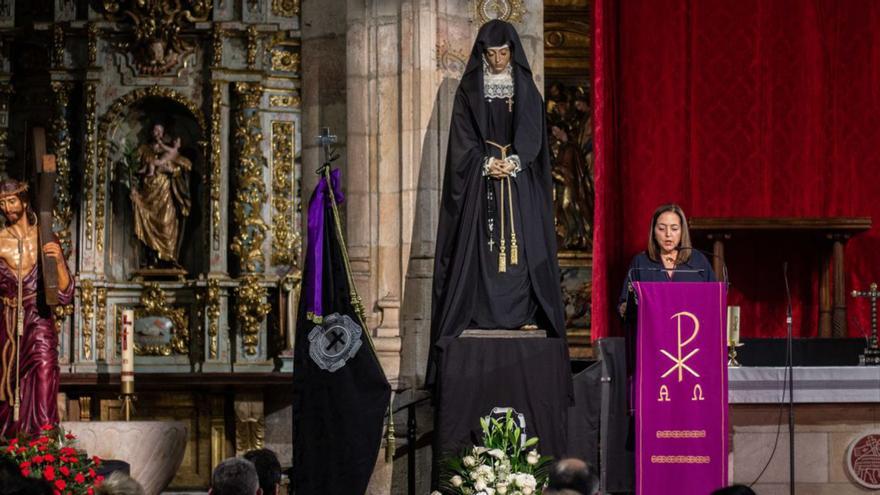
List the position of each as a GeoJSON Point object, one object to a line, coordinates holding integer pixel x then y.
{"type": "Point", "coordinates": [684, 245]}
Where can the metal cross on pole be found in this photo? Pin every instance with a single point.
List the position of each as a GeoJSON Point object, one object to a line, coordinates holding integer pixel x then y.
{"type": "Point", "coordinates": [872, 352]}
{"type": "Point", "coordinates": [325, 139]}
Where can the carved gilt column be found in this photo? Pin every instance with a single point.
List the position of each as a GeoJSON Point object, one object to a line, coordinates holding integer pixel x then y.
{"type": "Point", "coordinates": [247, 209]}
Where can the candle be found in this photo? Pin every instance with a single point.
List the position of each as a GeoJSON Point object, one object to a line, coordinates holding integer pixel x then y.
{"type": "Point", "coordinates": [733, 325]}
{"type": "Point", "coordinates": [127, 350]}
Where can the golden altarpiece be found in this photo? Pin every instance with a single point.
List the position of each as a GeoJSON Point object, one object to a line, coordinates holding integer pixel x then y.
{"type": "Point", "coordinates": [176, 127]}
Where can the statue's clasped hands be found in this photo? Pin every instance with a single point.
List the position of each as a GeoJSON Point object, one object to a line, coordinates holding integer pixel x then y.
{"type": "Point", "coordinates": [499, 169]}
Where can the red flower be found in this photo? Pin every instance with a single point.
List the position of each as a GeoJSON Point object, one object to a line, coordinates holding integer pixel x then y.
{"type": "Point", "coordinates": [25, 465]}
{"type": "Point", "coordinates": [73, 460]}
{"type": "Point", "coordinates": [69, 436]}
{"type": "Point", "coordinates": [79, 478]}
{"type": "Point", "coordinates": [49, 473]}
{"type": "Point", "coordinates": [46, 427]}
{"type": "Point", "coordinates": [99, 480]}
{"type": "Point", "coordinates": [96, 460]}
{"type": "Point", "coordinates": [13, 441]}
{"type": "Point", "coordinates": [25, 472]}
{"type": "Point", "coordinates": [60, 484]}
{"type": "Point", "coordinates": [68, 451]}
{"type": "Point", "coordinates": [49, 458]}
{"type": "Point", "coordinates": [64, 470]}
{"type": "Point", "coordinates": [90, 492]}
{"type": "Point", "coordinates": [11, 448]}
{"type": "Point", "coordinates": [42, 448]}
{"type": "Point", "coordinates": [91, 473]}
{"type": "Point", "coordinates": [38, 459]}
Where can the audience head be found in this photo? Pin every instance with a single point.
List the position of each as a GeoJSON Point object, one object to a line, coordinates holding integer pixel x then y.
{"type": "Point", "coordinates": [268, 470]}
{"type": "Point", "coordinates": [734, 490]}
{"type": "Point", "coordinates": [235, 477]}
{"type": "Point", "coordinates": [573, 474]}
{"type": "Point", "coordinates": [119, 483]}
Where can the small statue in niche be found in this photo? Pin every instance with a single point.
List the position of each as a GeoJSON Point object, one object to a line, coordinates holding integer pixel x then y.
{"type": "Point", "coordinates": [161, 202]}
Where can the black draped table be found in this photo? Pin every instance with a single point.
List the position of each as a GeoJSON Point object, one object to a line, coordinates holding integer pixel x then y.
{"type": "Point", "coordinates": [478, 374]}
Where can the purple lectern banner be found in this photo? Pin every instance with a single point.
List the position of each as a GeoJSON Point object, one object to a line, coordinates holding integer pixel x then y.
{"type": "Point", "coordinates": [681, 388]}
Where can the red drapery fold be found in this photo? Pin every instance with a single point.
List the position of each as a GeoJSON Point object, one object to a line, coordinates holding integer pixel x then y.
{"type": "Point", "coordinates": [731, 109]}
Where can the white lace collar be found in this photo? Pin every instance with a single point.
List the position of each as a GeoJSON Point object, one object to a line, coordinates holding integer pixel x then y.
{"type": "Point", "coordinates": [497, 85]}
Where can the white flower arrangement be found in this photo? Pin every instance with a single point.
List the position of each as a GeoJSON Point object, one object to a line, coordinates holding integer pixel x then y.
{"type": "Point", "coordinates": [506, 463]}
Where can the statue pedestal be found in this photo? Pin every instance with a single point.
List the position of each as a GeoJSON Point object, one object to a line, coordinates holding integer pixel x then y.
{"type": "Point", "coordinates": [154, 449]}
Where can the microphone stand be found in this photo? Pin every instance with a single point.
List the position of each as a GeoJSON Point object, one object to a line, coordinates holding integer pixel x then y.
{"type": "Point", "coordinates": [790, 371]}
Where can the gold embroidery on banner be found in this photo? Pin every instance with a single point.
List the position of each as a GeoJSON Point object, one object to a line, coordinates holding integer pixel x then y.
{"type": "Point", "coordinates": [681, 434]}
{"type": "Point", "coordinates": [680, 361]}
{"type": "Point", "coordinates": [680, 459]}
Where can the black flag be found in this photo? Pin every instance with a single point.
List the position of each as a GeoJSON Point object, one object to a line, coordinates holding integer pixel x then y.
{"type": "Point", "coordinates": [340, 393]}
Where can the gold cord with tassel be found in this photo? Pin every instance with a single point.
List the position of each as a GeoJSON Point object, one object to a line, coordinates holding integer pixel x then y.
{"type": "Point", "coordinates": [502, 250]}
{"type": "Point", "coordinates": [514, 250]}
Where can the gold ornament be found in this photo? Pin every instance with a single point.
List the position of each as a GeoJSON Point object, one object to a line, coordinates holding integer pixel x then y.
{"type": "Point", "coordinates": [285, 238]}
{"type": "Point", "coordinates": [251, 307]}
{"type": "Point", "coordinates": [87, 301]}
{"type": "Point", "coordinates": [250, 191]}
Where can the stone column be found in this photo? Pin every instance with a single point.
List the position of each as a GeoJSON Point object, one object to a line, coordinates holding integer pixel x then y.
{"type": "Point", "coordinates": [323, 88]}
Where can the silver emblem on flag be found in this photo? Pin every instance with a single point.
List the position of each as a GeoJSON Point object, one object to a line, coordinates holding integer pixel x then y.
{"type": "Point", "coordinates": [334, 342]}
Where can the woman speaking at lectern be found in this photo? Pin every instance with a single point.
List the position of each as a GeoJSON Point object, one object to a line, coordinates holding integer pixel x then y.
{"type": "Point", "coordinates": [669, 258]}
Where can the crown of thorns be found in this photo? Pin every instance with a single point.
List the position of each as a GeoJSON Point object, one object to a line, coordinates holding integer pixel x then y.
{"type": "Point", "coordinates": [12, 188]}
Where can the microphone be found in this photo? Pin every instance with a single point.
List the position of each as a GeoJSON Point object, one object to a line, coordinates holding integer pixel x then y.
{"type": "Point", "coordinates": [790, 373]}
{"type": "Point", "coordinates": [724, 275]}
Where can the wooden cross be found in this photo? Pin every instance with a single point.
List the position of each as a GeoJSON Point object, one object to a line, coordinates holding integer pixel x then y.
{"type": "Point", "coordinates": [872, 294]}
{"type": "Point", "coordinates": [510, 104]}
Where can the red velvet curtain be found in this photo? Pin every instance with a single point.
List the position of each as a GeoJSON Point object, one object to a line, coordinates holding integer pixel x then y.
{"type": "Point", "coordinates": [736, 108]}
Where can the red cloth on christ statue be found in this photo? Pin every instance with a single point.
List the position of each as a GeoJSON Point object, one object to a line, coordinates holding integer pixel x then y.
{"type": "Point", "coordinates": [38, 355]}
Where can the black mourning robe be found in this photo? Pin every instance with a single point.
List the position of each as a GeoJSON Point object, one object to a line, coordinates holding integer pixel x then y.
{"type": "Point", "coordinates": [468, 291]}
